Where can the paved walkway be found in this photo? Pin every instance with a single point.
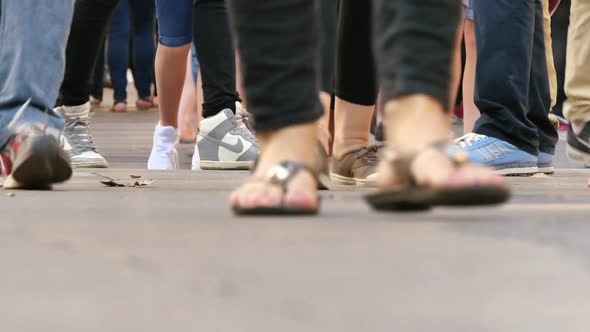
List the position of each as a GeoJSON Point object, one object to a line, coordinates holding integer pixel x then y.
{"type": "Point", "coordinates": [170, 257]}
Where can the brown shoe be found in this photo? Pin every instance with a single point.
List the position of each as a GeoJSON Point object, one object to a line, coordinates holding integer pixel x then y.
{"type": "Point", "coordinates": [323, 168]}
{"type": "Point", "coordinates": [357, 167]}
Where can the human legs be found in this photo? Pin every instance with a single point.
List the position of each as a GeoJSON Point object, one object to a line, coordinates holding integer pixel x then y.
{"type": "Point", "coordinates": [414, 46]}
{"type": "Point", "coordinates": [213, 40]}
{"type": "Point", "coordinates": [88, 32]}
{"type": "Point", "coordinates": [142, 12]}
{"type": "Point", "coordinates": [118, 50]}
{"type": "Point", "coordinates": [29, 132]}
{"type": "Point", "coordinates": [175, 36]}
{"type": "Point", "coordinates": [279, 56]}
{"type": "Point", "coordinates": [356, 94]}
{"type": "Point", "coordinates": [577, 82]}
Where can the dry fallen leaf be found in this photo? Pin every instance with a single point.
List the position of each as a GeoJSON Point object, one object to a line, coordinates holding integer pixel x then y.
{"type": "Point", "coordinates": [10, 194]}
{"type": "Point", "coordinates": [111, 182]}
{"type": "Point", "coordinates": [135, 176]}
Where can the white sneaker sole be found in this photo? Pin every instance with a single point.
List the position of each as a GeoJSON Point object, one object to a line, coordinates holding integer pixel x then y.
{"type": "Point", "coordinates": [346, 181]}
{"type": "Point", "coordinates": [89, 164]}
{"type": "Point", "coordinates": [226, 165]}
{"type": "Point", "coordinates": [518, 171]}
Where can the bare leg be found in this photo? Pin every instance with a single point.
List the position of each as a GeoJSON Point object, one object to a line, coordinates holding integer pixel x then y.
{"type": "Point", "coordinates": [188, 105]}
{"type": "Point", "coordinates": [324, 134]}
{"type": "Point", "coordinates": [170, 70]}
{"type": "Point", "coordinates": [470, 111]}
{"type": "Point", "coordinates": [352, 124]}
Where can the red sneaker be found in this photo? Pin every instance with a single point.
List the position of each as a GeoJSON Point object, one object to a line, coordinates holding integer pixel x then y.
{"type": "Point", "coordinates": [33, 159]}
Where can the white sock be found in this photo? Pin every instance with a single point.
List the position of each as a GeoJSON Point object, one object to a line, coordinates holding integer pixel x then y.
{"type": "Point", "coordinates": [80, 111]}
{"type": "Point", "coordinates": [164, 155]}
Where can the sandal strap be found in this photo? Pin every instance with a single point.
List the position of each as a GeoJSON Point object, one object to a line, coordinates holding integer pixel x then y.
{"type": "Point", "coordinates": [282, 173]}
{"type": "Point", "coordinates": [401, 164]}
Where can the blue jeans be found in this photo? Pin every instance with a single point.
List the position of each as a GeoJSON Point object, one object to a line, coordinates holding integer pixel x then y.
{"type": "Point", "coordinates": [33, 36]}
{"type": "Point", "coordinates": [175, 22]}
{"type": "Point", "coordinates": [140, 13]}
{"type": "Point", "coordinates": [511, 81]}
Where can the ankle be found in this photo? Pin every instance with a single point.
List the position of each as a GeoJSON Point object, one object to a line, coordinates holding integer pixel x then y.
{"type": "Point", "coordinates": [343, 146]}
{"type": "Point", "coordinates": [414, 122]}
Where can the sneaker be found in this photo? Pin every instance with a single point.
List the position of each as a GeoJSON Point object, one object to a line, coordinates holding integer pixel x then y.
{"type": "Point", "coordinates": [357, 167]}
{"type": "Point", "coordinates": [164, 155]}
{"type": "Point", "coordinates": [502, 156]}
{"type": "Point", "coordinates": [245, 119]}
{"type": "Point", "coordinates": [33, 158]}
{"type": "Point", "coordinates": [578, 142]}
{"type": "Point", "coordinates": [545, 163]}
{"type": "Point", "coordinates": [226, 143]}
{"type": "Point", "coordinates": [77, 138]}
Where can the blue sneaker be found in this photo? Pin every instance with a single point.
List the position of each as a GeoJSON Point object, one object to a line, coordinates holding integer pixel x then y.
{"type": "Point", "coordinates": [502, 156]}
{"type": "Point", "coordinates": [545, 163]}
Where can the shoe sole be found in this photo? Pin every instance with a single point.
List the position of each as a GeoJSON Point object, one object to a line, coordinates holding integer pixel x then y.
{"type": "Point", "coordinates": [577, 155]}
{"type": "Point", "coordinates": [89, 164]}
{"type": "Point", "coordinates": [224, 165]}
{"type": "Point", "coordinates": [40, 163]}
{"type": "Point", "coordinates": [518, 171]}
{"type": "Point", "coordinates": [547, 170]}
{"type": "Point", "coordinates": [347, 181]}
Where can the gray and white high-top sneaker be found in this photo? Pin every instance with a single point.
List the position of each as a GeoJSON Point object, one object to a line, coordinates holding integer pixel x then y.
{"type": "Point", "coordinates": [225, 143]}
{"type": "Point", "coordinates": [77, 138]}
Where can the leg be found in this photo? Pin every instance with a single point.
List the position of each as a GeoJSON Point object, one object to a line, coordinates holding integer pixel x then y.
{"type": "Point", "coordinates": [175, 35]}
{"type": "Point", "coordinates": [549, 52]}
{"type": "Point", "coordinates": [144, 51]}
{"type": "Point", "coordinates": [89, 28]}
{"type": "Point", "coordinates": [118, 51]}
{"type": "Point", "coordinates": [414, 46]}
{"type": "Point", "coordinates": [328, 55]}
{"type": "Point", "coordinates": [30, 153]}
{"type": "Point", "coordinates": [216, 53]}
{"type": "Point", "coordinates": [470, 111]}
{"type": "Point", "coordinates": [278, 48]}
{"type": "Point", "coordinates": [356, 96]}
{"type": "Point", "coordinates": [577, 82]}
{"type": "Point", "coordinates": [540, 91]}
{"type": "Point", "coordinates": [97, 87]}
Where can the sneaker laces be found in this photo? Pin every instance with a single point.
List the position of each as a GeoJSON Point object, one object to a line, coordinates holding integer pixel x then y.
{"type": "Point", "coordinates": [78, 131]}
{"type": "Point", "coordinates": [369, 153]}
{"type": "Point", "coordinates": [468, 140]}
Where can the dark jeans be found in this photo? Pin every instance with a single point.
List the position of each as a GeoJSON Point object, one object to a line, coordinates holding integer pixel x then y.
{"type": "Point", "coordinates": [97, 87]}
{"type": "Point", "coordinates": [88, 30]}
{"type": "Point", "coordinates": [356, 80]}
{"type": "Point", "coordinates": [136, 18]}
{"type": "Point", "coordinates": [559, 27]}
{"type": "Point", "coordinates": [511, 84]}
{"type": "Point", "coordinates": [216, 53]}
{"type": "Point", "coordinates": [278, 46]}
{"type": "Point", "coordinates": [329, 19]}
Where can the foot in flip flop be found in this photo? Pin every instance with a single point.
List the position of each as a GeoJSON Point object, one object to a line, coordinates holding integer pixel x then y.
{"type": "Point", "coordinates": [284, 181]}
{"type": "Point", "coordinates": [420, 168]}
{"type": "Point", "coordinates": [438, 175]}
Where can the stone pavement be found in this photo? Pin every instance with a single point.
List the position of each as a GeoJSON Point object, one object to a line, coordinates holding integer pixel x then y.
{"type": "Point", "coordinates": [170, 257]}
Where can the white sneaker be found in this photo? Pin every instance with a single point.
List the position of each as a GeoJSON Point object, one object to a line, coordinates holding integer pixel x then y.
{"type": "Point", "coordinates": [164, 155]}
{"type": "Point", "coordinates": [76, 138]}
{"type": "Point", "coordinates": [224, 143]}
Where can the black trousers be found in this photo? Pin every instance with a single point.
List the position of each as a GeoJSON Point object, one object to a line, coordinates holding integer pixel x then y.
{"type": "Point", "coordinates": [511, 84]}
{"type": "Point", "coordinates": [89, 26]}
{"type": "Point", "coordinates": [356, 79]}
{"type": "Point", "coordinates": [216, 52]}
{"type": "Point", "coordinates": [277, 41]}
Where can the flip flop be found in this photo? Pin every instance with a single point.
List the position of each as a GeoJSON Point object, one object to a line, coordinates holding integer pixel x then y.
{"type": "Point", "coordinates": [410, 196]}
{"type": "Point", "coordinates": [280, 175]}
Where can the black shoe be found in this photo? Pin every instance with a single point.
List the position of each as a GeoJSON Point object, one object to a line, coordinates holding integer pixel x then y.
{"type": "Point", "coordinates": [578, 144]}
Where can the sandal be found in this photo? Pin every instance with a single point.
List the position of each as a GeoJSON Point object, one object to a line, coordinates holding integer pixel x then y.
{"type": "Point", "coordinates": [280, 175]}
{"type": "Point", "coordinates": [410, 196]}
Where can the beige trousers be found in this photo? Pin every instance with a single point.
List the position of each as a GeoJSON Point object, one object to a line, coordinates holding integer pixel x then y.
{"type": "Point", "coordinates": [577, 69]}
{"type": "Point", "coordinates": [549, 51]}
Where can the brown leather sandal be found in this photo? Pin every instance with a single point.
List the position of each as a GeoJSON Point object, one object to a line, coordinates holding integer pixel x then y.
{"type": "Point", "coordinates": [410, 196]}
{"type": "Point", "coordinates": [280, 175]}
